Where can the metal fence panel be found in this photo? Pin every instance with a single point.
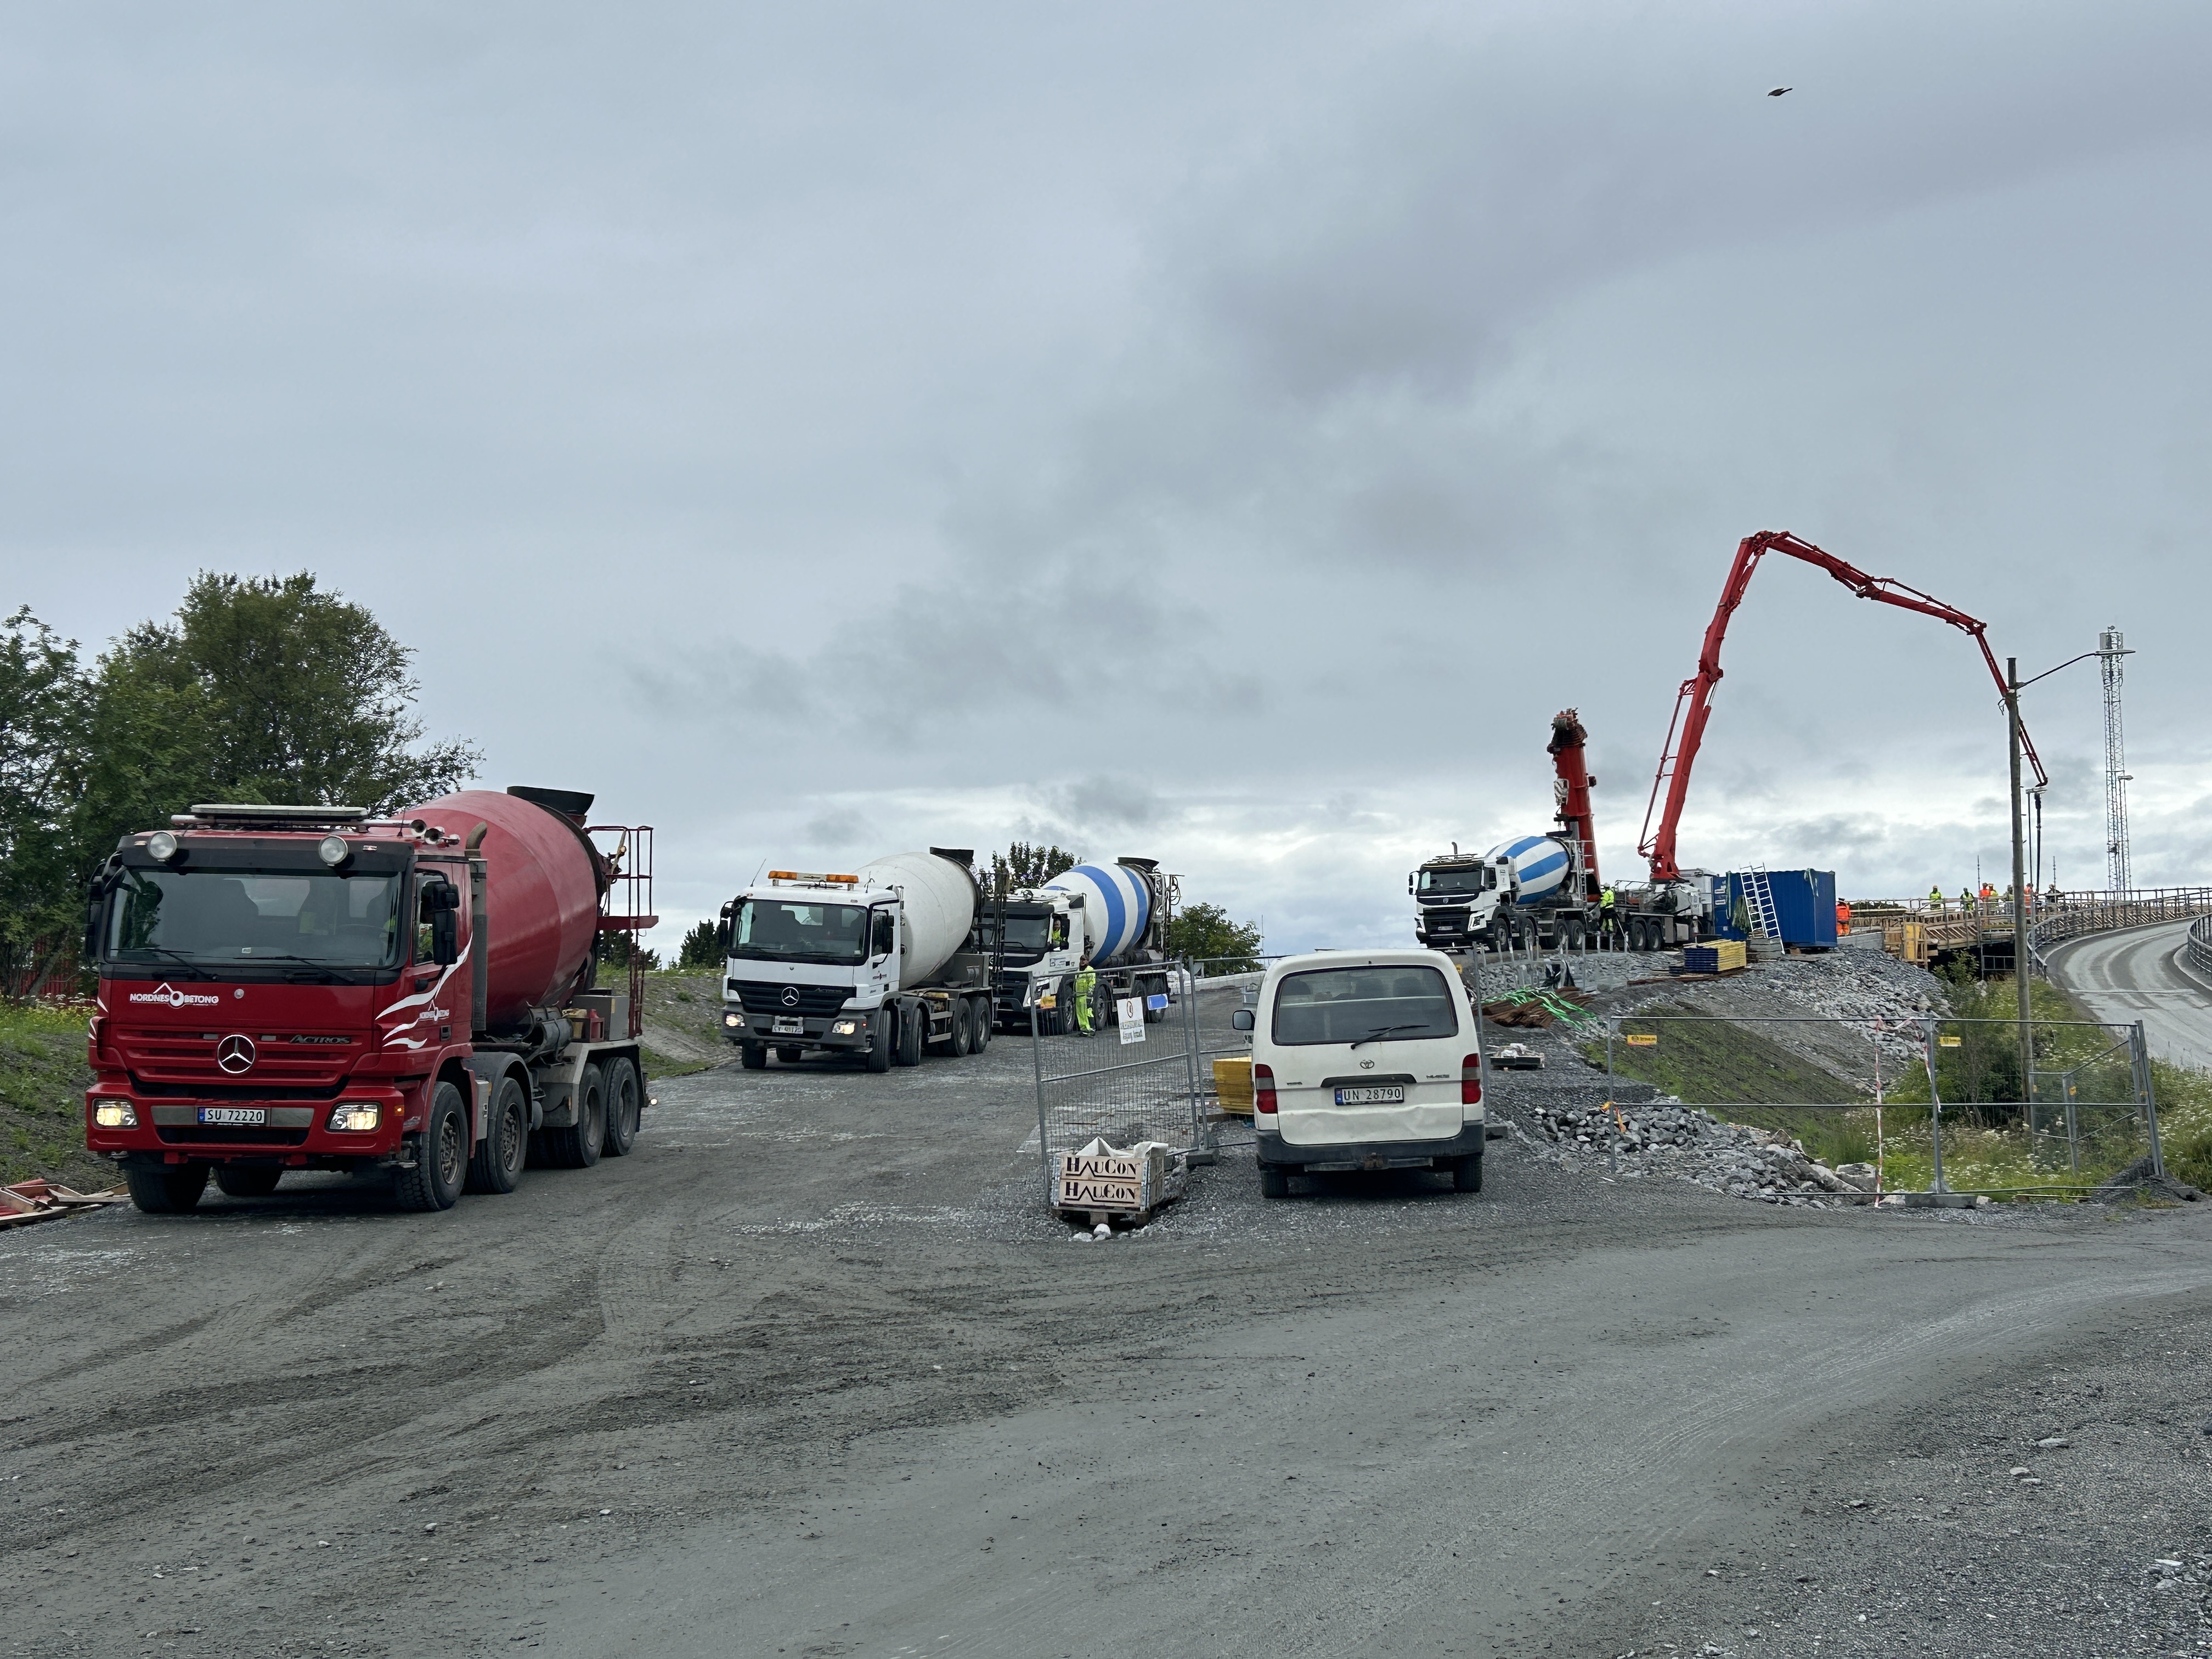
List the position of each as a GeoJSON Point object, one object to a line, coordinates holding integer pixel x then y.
{"type": "Point", "coordinates": [1932, 1103]}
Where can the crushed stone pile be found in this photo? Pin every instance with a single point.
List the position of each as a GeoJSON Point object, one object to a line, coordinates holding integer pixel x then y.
{"type": "Point", "coordinates": [1662, 1139]}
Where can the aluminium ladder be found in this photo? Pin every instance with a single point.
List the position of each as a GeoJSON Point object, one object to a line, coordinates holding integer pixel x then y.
{"type": "Point", "coordinates": [1767, 919]}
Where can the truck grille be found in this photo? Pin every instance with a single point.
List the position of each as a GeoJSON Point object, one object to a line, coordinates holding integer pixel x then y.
{"type": "Point", "coordinates": [184, 1062]}
{"type": "Point", "coordinates": [761, 996]}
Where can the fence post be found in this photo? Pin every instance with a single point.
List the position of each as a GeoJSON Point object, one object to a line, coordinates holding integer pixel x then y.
{"type": "Point", "coordinates": [1199, 1132]}
{"type": "Point", "coordinates": [1044, 1135]}
{"type": "Point", "coordinates": [2139, 1052]}
{"type": "Point", "coordinates": [1935, 1109]}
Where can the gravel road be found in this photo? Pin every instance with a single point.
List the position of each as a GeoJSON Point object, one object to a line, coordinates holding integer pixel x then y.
{"type": "Point", "coordinates": [812, 1372]}
{"type": "Point", "coordinates": [2137, 975]}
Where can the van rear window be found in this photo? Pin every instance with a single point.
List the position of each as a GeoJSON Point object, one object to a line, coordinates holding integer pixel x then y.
{"type": "Point", "coordinates": [1350, 1005]}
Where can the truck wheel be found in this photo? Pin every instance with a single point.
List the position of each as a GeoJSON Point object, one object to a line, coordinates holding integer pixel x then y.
{"type": "Point", "coordinates": [247, 1180]}
{"type": "Point", "coordinates": [1467, 1174]}
{"type": "Point", "coordinates": [441, 1156]}
{"type": "Point", "coordinates": [963, 1029]}
{"type": "Point", "coordinates": [497, 1164]}
{"type": "Point", "coordinates": [578, 1147]}
{"type": "Point", "coordinates": [753, 1056]}
{"type": "Point", "coordinates": [981, 1024]}
{"type": "Point", "coordinates": [166, 1191]}
{"type": "Point", "coordinates": [881, 1027]}
{"type": "Point", "coordinates": [1274, 1181]}
{"type": "Point", "coordinates": [913, 1026]}
{"type": "Point", "coordinates": [625, 1108]}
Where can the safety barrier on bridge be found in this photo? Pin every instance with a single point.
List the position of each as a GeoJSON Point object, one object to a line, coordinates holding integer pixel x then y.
{"type": "Point", "coordinates": [2200, 946]}
{"type": "Point", "coordinates": [2072, 915]}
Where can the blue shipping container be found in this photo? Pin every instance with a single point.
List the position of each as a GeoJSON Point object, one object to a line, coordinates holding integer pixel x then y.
{"type": "Point", "coordinates": [1804, 900]}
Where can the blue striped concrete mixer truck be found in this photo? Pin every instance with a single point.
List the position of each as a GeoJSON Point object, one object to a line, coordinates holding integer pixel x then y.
{"type": "Point", "coordinates": [1544, 891]}
{"type": "Point", "coordinates": [1114, 916]}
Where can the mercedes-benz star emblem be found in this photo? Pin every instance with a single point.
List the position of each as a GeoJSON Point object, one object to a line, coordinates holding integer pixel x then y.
{"type": "Point", "coordinates": [234, 1054]}
{"type": "Point", "coordinates": [791, 996]}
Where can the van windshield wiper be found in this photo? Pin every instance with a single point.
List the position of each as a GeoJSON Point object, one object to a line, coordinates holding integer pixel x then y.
{"type": "Point", "coordinates": [1385, 1030]}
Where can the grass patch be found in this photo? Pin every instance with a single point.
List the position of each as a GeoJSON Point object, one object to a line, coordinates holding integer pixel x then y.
{"type": "Point", "coordinates": [43, 1078]}
{"type": "Point", "coordinates": [1710, 1062]}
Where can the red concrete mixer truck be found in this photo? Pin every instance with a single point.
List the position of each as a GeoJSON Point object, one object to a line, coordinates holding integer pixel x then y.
{"type": "Point", "coordinates": [307, 988]}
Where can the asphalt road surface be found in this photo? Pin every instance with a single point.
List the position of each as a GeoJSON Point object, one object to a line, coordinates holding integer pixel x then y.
{"type": "Point", "coordinates": [2138, 975]}
{"type": "Point", "coordinates": [812, 1373]}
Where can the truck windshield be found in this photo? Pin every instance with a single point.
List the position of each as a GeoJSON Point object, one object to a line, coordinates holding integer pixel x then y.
{"type": "Point", "coordinates": [1458, 882]}
{"type": "Point", "coordinates": [228, 917]}
{"type": "Point", "coordinates": [785, 930]}
{"type": "Point", "coordinates": [1029, 932]}
{"type": "Point", "coordinates": [1355, 1004]}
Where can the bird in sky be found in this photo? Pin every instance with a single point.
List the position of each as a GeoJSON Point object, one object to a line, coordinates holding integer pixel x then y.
{"type": "Point", "coordinates": [1778, 91]}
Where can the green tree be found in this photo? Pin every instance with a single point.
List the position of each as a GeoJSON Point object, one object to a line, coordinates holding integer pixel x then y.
{"type": "Point", "coordinates": [702, 948]}
{"type": "Point", "coordinates": [42, 752]}
{"type": "Point", "coordinates": [1023, 865]}
{"type": "Point", "coordinates": [1205, 932]}
{"type": "Point", "coordinates": [615, 949]}
{"type": "Point", "coordinates": [264, 688]}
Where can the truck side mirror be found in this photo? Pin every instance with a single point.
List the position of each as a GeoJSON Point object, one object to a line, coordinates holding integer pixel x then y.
{"type": "Point", "coordinates": [1240, 1019]}
{"type": "Point", "coordinates": [445, 935]}
{"type": "Point", "coordinates": [95, 913]}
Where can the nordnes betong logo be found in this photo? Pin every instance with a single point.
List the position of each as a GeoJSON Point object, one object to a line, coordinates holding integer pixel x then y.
{"type": "Point", "coordinates": [175, 997]}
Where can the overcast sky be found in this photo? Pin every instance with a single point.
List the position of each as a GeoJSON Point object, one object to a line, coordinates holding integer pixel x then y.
{"type": "Point", "coordinates": [1221, 432]}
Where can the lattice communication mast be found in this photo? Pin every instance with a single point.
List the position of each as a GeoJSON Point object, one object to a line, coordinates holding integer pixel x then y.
{"type": "Point", "coordinates": [2112, 646]}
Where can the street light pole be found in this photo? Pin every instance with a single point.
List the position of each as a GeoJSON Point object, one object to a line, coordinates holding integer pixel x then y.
{"type": "Point", "coordinates": [2020, 949]}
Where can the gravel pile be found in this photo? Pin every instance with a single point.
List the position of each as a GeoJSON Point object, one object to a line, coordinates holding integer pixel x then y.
{"type": "Point", "coordinates": [1649, 1139]}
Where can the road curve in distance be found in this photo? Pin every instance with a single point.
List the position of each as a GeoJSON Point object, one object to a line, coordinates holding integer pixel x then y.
{"type": "Point", "coordinates": [2135, 974]}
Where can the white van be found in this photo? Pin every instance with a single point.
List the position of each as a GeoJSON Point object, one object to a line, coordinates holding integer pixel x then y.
{"type": "Point", "coordinates": [1365, 1060]}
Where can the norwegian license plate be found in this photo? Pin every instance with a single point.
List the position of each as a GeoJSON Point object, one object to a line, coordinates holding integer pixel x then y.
{"type": "Point", "coordinates": [786, 1026]}
{"type": "Point", "coordinates": [242, 1116]}
{"type": "Point", "coordinates": [1383, 1094]}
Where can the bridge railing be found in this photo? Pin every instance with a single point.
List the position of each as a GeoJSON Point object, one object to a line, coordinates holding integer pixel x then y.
{"type": "Point", "coordinates": [2200, 944]}
{"type": "Point", "coordinates": [2071, 914]}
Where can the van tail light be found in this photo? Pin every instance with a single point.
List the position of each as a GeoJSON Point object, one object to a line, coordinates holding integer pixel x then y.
{"type": "Point", "coordinates": [1263, 1088]}
{"type": "Point", "coordinates": [1470, 1081]}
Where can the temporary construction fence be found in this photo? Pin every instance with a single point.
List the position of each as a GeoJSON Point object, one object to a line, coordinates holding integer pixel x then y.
{"type": "Point", "coordinates": [1933, 1103]}
{"type": "Point", "coordinates": [1128, 1081]}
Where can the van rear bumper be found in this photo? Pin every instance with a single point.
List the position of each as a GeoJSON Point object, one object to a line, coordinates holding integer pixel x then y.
{"type": "Point", "coordinates": [1371, 1155]}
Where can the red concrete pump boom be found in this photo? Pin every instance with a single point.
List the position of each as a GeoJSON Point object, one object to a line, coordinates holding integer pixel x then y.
{"type": "Point", "coordinates": [1693, 703]}
{"type": "Point", "coordinates": [1572, 789]}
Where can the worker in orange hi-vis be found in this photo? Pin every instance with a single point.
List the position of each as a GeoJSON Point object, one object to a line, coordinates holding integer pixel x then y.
{"type": "Point", "coordinates": [1842, 917]}
{"type": "Point", "coordinates": [1988, 896]}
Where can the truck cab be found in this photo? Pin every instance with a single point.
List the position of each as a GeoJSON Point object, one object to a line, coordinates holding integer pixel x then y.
{"type": "Point", "coordinates": [1035, 938]}
{"type": "Point", "coordinates": [1456, 896]}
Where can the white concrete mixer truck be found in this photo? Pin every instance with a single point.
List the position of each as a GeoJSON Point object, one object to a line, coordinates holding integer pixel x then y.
{"type": "Point", "coordinates": [883, 964]}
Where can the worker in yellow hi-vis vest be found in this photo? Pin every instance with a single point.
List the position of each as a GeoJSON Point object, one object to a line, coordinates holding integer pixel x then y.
{"type": "Point", "coordinates": [1085, 982]}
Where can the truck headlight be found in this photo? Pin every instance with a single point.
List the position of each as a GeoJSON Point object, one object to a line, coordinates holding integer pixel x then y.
{"type": "Point", "coordinates": [733, 1019]}
{"type": "Point", "coordinates": [845, 1028]}
{"type": "Point", "coordinates": [115, 1115]}
{"type": "Point", "coordinates": [355, 1116]}
{"type": "Point", "coordinates": [161, 845]}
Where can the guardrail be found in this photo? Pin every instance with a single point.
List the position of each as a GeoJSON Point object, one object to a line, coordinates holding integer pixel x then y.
{"type": "Point", "coordinates": [2075, 913]}
{"type": "Point", "coordinates": [2200, 945]}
